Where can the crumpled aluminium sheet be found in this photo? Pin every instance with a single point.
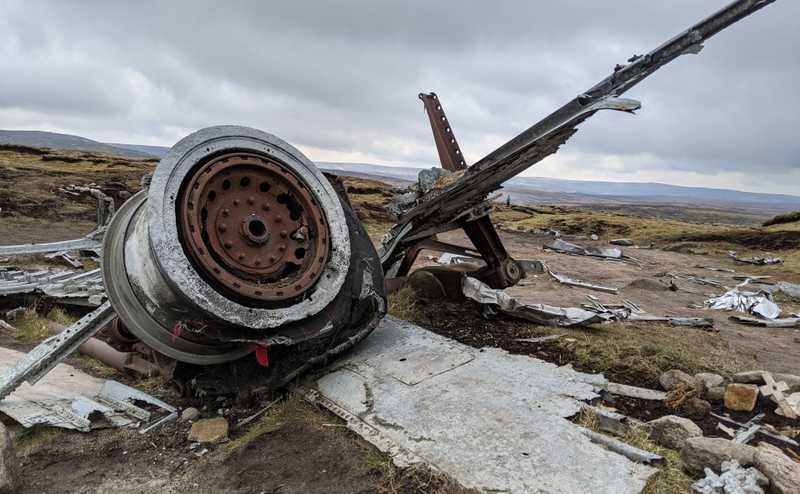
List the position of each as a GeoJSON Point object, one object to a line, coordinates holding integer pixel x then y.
{"type": "Point", "coordinates": [757, 303]}
{"type": "Point", "coordinates": [538, 313]}
{"type": "Point", "coordinates": [562, 246]}
{"type": "Point", "coordinates": [733, 480]}
{"type": "Point", "coordinates": [71, 399]}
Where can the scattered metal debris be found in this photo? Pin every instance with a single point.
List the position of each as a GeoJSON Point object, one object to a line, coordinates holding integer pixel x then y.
{"type": "Point", "coordinates": [538, 313]}
{"type": "Point", "coordinates": [771, 434]}
{"type": "Point", "coordinates": [757, 261]}
{"type": "Point", "coordinates": [631, 452]}
{"type": "Point", "coordinates": [733, 479]}
{"type": "Point", "coordinates": [39, 361]}
{"type": "Point", "coordinates": [540, 339]}
{"type": "Point", "coordinates": [759, 303]}
{"type": "Point", "coordinates": [70, 287]}
{"type": "Point", "coordinates": [66, 257]}
{"type": "Point", "coordinates": [566, 280]}
{"type": "Point", "coordinates": [68, 398]}
{"type": "Point", "coordinates": [634, 391]}
{"type": "Point", "coordinates": [565, 247]}
{"type": "Point", "coordinates": [775, 392]}
{"type": "Point", "coordinates": [789, 322]}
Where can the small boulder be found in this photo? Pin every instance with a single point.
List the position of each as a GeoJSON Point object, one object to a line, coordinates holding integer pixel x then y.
{"type": "Point", "coordinates": [790, 379]}
{"type": "Point", "coordinates": [782, 472]}
{"type": "Point", "coordinates": [749, 377]}
{"type": "Point", "coordinates": [594, 236]}
{"type": "Point", "coordinates": [696, 407]}
{"type": "Point", "coordinates": [622, 241]}
{"type": "Point", "coordinates": [710, 380]}
{"type": "Point", "coordinates": [671, 378]}
{"type": "Point", "coordinates": [9, 467]}
{"type": "Point", "coordinates": [672, 431]}
{"type": "Point", "coordinates": [190, 414]}
{"type": "Point", "coordinates": [209, 431]}
{"type": "Point", "coordinates": [741, 397]}
{"type": "Point", "coordinates": [717, 393]}
{"type": "Point", "coordinates": [701, 452]}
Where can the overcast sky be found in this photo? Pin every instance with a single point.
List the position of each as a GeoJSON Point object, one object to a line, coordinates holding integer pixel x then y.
{"type": "Point", "coordinates": [340, 80]}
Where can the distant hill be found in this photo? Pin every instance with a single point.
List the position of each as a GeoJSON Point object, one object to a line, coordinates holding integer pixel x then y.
{"type": "Point", "coordinates": [578, 192]}
{"type": "Point", "coordinates": [521, 189]}
{"type": "Point", "coordinates": [55, 140]}
{"type": "Point", "coordinates": [157, 151]}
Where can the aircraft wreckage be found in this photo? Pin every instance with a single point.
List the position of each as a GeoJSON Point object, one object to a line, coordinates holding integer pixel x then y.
{"type": "Point", "coordinates": [246, 264]}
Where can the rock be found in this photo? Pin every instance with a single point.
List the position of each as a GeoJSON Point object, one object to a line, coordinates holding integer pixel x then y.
{"type": "Point", "coordinates": [696, 407]}
{"type": "Point", "coordinates": [209, 431]}
{"type": "Point", "coordinates": [749, 377]}
{"type": "Point", "coordinates": [782, 472]}
{"type": "Point", "coordinates": [790, 379]}
{"type": "Point", "coordinates": [717, 393]}
{"type": "Point", "coordinates": [741, 397]}
{"type": "Point", "coordinates": [594, 237]}
{"type": "Point", "coordinates": [9, 467]}
{"type": "Point", "coordinates": [190, 414]}
{"type": "Point", "coordinates": [671, 431]}
{"type": "Point", "coordinates": [757, 377]}
{"type": "Point", "coordinates": [710, 380]}
{"type": "Point", "coordinates": [672, 378]}
{"type": "Point", "coordinates": [621, 241]}
{"type": "Point", "coordinates": [426, 285]}
{"type": "Point", "coordinates": [701, 452]}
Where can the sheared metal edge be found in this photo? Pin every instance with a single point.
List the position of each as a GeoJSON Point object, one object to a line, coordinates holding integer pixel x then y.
{"type": "Point", "coordinates": [544, 138]}
{"type": "Point", "coordinates": [54, 349]}
{"type": "Point", "coordinates": [400, 456]}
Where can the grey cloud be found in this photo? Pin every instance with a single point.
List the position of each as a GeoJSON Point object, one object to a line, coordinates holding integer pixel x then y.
{"type": "Point", "coordinates": [342, 77]}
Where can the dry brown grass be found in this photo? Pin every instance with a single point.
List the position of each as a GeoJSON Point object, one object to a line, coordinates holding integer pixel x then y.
{"type": "Point", "coordinates": [642, 351]}
{"type": "Point", "coordinates": [403, 304]}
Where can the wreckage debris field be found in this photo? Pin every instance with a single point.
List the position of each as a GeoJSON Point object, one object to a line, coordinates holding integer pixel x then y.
{"type": "Point", "coordinates": [633, 353]}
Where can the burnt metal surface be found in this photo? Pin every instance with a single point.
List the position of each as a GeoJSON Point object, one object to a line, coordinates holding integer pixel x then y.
{"type": "Point", "coordinates": [253, 228]}
{"type": "Point", "coordinates": [246, 203]}
{"type": "Point", "coordinates": [442, 206]}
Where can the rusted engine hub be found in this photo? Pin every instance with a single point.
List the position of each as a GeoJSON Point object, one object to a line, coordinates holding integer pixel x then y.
{"type": "Point", "coordinates": [241, 244]}
{"type": "Point", "coordinates": [253, 228]}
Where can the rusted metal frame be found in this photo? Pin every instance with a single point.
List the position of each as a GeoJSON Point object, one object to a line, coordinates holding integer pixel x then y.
{"type": "Point", "coordinates": [450, 155]}
{"type": "Point", "coordinates": [544, 138]}
{"type": "Point", "coordinates": [501, 270]}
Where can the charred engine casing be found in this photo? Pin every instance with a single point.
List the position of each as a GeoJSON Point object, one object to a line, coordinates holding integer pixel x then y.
{"type": "Point", "coordinates": [242, 262]}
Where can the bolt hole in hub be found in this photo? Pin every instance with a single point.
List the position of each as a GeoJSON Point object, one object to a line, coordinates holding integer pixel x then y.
{"type": "Point", "coordinates": [252, 229]}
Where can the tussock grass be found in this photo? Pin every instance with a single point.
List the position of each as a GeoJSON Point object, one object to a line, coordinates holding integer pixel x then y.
{"type": "Point", "coordinates": [780, 219]}
{"type": "Point", "coordinates": [403, 304]}
{"type": "Point", "coordinates": [670, 477]}
{"type": "Point", "coordinates": [642, 351]}
{"type": "Point", "coordinates": [29, 441]}
{"type": "Point", "coordinates": [31, 327]}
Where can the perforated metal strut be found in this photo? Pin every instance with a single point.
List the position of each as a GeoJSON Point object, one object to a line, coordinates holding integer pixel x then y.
{"type": "Point", "coordinates": [501, 269]}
